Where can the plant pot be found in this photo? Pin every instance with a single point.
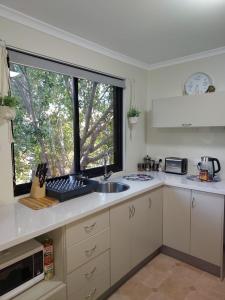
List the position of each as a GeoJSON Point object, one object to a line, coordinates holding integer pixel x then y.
{"type": "Point", "coordinates": [7, 113]}
{"type": "Point", "coordinates": [133, 120]}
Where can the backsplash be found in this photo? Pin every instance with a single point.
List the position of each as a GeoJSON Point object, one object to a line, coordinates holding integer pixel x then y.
{"type": "Point", "coordinates": [191, 143]}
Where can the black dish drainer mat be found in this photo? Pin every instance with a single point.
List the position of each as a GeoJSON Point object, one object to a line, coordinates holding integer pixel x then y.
{"type": "Point", "coordinates": [69, 187]}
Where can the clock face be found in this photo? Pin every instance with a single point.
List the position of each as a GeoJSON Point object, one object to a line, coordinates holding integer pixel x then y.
{"type": "Point", "coordinates": [197, 83]}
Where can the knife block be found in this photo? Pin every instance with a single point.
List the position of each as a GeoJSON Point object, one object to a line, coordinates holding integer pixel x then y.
{"type": "Point", "coordinates": [37, 191]}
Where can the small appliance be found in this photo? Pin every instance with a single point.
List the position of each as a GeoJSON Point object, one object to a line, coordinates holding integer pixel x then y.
{"type": "Point", "coordinates": [176, 165]}
{"type": "Point", "coordinates": [20, 268]}
{"type": "Point", "coordinates": [207, 168]}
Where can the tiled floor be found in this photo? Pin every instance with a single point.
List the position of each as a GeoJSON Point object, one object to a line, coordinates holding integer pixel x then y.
{"type": "Point", "coordinates": [165, 278]}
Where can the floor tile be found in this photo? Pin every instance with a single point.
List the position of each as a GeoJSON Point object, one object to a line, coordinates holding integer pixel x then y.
{"type": "Point", "coordinates": [166, 278]}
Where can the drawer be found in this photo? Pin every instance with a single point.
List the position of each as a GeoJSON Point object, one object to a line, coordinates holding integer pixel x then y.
{"type": "Point", "coordinates": [76, 232]}
{"type": "Point", "coordinates": [84, 251]}
{"type": "Point", "coordinates": [85, 275]}
{"type": "Point", "coordinates": [92, 290]}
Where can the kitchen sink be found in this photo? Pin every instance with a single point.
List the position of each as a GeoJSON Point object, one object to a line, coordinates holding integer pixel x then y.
{"type": "Point", "coordinates": [111, 187]}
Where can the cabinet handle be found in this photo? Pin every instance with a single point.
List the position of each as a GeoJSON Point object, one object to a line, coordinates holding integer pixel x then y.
{"type": "Point", "coordinates": [90, 251]}
{"type": "Point", "coordinates": [130, 212]}
{"type": "Point", "coordinates": [150, 202]}
{"type": "Point", "coordinates": [91, 294]}
{"type": "Point", "coordinates": [193, 202]}
{"type": "Point", "coordinates": [90, 274]}
{"type": "Point", "coordinates": [134, 210]}
{"type": "Point", "coordinates": [89, 228]}
{"type": "Point", "coordinates": [186, 124]}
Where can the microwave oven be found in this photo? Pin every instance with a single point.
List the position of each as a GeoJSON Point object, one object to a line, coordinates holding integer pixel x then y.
{"type": "Point", "coordinates": [176, 165]}
{"type": "Point", "coordinates": [21, 267]}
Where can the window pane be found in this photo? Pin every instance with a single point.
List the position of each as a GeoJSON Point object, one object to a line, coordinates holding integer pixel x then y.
{"type": "Point", "coordinates": [96, 123]}
{"type": "Point", "coordinates": [43, 128]}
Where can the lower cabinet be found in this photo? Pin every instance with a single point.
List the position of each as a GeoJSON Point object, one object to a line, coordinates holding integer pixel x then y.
{"type": "Point", "coordinates": [193, 223]}
{"type": "Point", "coordinates": [90, 280]}
{"type": "Point", "coordinates": [120, 240]}
{"type": "Point", "coordinates": [136, 232]}
{"type": "Point", "coordinates": [87, 257]}
{"type": "Point", "coordinates": [207, 226]}
{"type": "Point", "coordinates": [146, 226]}
{"type": "Point", "coordinates": [176, 218]}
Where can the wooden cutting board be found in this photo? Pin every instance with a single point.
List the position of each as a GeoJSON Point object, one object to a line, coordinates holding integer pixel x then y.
{"type": "Point", "coordinates": [38, 203]}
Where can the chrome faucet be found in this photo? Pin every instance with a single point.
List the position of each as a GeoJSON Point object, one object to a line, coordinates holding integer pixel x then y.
{"type": "Point", "coordinates": [106, 174]}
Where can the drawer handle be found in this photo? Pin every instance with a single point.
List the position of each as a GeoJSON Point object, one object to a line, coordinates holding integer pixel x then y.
{"type": "Point", "coordinates": [90, 251]}
{"type": "Point", "coordinates": [89, 228]}
{"type": "Point", "coordinates": [90, 274]}
{"type": "Point", "coordinates": [91, 294]}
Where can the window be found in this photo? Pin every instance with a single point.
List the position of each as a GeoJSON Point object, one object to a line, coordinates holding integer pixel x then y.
{"type": "Point", "coordinates": [64, 119]}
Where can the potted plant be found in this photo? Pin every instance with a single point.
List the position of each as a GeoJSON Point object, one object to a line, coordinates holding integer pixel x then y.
{"type": "Point", "coordinates": [7, 108]}
{"type": "Point", "coordinates": [133, 114]}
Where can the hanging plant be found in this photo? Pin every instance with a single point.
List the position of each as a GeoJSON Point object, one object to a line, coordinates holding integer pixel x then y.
{"type": "Point", "coordinates": [133, 115]}
{"type": "Point", "coordinates": [7, 107]}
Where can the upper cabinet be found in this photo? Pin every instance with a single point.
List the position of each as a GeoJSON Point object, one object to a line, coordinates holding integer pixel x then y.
{"type": "Point", "coordinates": [204, 110]}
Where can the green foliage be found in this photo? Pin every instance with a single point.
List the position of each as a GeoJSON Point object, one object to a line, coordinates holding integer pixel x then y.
{"type": "Point", "coordinates": [10, 101]}
{"type": "Point", "coordinates": [133, 112]}
{"type": "Point", "coordinates": [43, 128]}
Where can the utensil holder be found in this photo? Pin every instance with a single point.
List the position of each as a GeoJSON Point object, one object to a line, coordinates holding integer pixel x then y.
{"type": "Point", "coordinates": [37, 191]}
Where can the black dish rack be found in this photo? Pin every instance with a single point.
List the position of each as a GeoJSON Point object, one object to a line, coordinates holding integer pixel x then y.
{"type": "Point", "coordinates": [70, 186]}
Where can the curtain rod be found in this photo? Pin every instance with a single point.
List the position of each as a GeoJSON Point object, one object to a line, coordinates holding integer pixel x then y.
{"type": "Point", "coordinates": [9, 47]}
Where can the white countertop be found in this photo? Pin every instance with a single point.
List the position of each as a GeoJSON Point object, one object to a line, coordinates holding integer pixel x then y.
{"type": "Point", "coordinates": [19, 223]}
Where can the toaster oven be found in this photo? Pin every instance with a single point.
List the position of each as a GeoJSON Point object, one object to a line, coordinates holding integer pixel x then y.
{"type": "Point", "coordinates": [176, 165]}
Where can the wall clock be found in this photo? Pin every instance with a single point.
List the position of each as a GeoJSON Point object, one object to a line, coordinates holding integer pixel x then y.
{"type": "Point", "coordinates": [197, 83]}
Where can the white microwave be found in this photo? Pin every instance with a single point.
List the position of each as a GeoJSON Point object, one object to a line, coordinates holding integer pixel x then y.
{"type": "Point", "coordinates": [21, 267]}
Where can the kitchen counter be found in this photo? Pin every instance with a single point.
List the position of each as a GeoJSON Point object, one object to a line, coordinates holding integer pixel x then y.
{"type": "Point", "coordinates": [19, 223]}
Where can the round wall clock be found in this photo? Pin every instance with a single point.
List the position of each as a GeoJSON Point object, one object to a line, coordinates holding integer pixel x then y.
{"type": "Point", "coordinates": [197, 83]}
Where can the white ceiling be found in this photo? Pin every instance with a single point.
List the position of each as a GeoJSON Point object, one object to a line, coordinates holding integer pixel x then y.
{"type": "Point", "coordinates": [150, 31]}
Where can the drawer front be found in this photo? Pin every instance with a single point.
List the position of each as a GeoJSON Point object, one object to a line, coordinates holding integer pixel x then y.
{"type": "Point", "coordinates": [76, 232]}
{"type": "Point", "coordinates": [83, 252]}
{"type": "Point", "coordinates": [88, 273]}
{"type": "Point", "coordinates": [92, 290]}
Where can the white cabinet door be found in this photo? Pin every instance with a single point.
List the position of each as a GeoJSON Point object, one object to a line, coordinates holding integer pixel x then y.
{"type": "Point", "coordinates": [140, 230]}
{"type": "Point", "coordinates": [155, 204]}
{"type": "Point", "coordinates": [207, 226]}
{"type": "Point", "coordinates": [183, 111]}
{"type": "Point", "coordinates": [146, 226]}
{"type": "Point", "coordinates": [120, 241]}
{"type": "Point", "coordinates": [176, 218]}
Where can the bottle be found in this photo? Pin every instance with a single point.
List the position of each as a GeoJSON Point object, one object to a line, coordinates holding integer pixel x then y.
{"type": "Point", "coordinates": [160, 168]}
{"type": "Point", "coordinates": [48, 258]}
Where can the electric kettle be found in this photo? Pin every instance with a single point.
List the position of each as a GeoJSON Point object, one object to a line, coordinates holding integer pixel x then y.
{"type": "Point", "coordinates": [208, 164]}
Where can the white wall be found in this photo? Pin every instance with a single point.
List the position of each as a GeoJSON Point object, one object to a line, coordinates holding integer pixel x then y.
{"type": "Point", "coordinates": [186, 142]}
{"type": "Point", "coordinates": [32, 40]}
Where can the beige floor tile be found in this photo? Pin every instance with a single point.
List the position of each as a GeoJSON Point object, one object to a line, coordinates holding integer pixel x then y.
{"type": "Point", "coordinates": [205, 295]}
{"type": "Point", "coordinates": [158, 296]}
{"type": "Point", "coordinates": [162, 263]}
{"type": "Point", "coordinates": [166, 278]}
{"type": "Point", "coordinates": [135, 291]}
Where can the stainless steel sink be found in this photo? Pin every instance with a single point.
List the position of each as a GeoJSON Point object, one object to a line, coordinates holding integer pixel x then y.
{"type": "Point", "coordinates": [111, 187]}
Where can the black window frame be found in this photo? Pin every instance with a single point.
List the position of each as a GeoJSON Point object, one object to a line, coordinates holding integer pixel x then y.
{"type": "Point", "coordinates": [24, 188]}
